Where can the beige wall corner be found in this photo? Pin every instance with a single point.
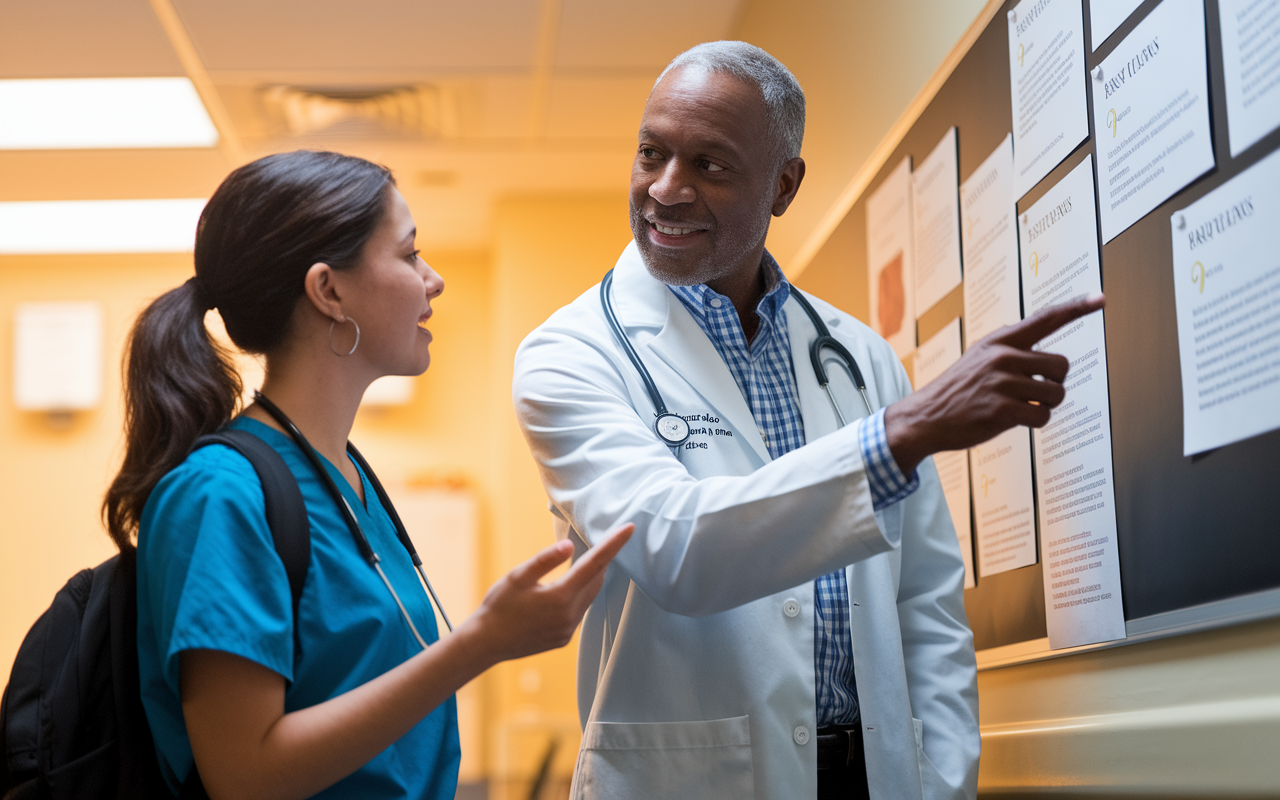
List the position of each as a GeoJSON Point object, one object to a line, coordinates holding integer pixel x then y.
{"type": "Point", "coordinates": [861, 65]}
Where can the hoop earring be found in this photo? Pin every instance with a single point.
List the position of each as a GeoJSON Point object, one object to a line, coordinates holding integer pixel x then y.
{"type": "Point", "coordinates": [353, 347]}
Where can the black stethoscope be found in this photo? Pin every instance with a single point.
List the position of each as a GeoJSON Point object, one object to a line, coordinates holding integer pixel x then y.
{"type": "Point", "coordinates": [672, 429]}
{"type": "Point", "coordinates": [362, 542]}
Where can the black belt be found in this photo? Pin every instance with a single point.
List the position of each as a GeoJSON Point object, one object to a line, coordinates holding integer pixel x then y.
{"type": "Point", "coordinates": [840, 746]}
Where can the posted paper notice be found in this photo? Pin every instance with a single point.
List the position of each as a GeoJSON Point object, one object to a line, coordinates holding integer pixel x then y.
{"type": "Point", "coordinates": [1251, 66]}
{"type": "Point", "coordinates": [1226, 278]}
{"type": "Point", "coordinates": [1003, 502]}
{"type": "Point", "coordinates": [932, 359]}
{"type": "Point", "coordinates": [1074, 482]}
{"type": "Point", "coordinates": [935, 223]}
{"type": "Point", "coordinates": [1151, 114]}
{"type": "Point", "coordinates": [990, 245]}
{"type": "Point", "coordinates": [890, 266]}
{"type": "Point", "coordinates": [1107, 15]}
{"type": "Point", "coordinates": [1046, 79]}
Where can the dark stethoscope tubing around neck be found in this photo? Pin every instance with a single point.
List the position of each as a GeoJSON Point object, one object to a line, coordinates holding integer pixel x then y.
{"type": "Point", "coordinates": [673, 430]}
{"type": "Point", "coordinates": [357, 532]}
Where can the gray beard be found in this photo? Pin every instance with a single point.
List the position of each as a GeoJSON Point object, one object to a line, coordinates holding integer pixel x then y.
{"type": "Point", "coordinates": [731, 246]}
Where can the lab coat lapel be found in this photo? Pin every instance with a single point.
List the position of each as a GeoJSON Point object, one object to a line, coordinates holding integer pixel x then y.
{"type": "Point", "coordinates": [642, 299]}
{"type": "Point", "coordinates": [688, 351]}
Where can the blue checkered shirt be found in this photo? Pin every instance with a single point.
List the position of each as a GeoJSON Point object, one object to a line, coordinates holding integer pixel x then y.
{"type": "Point", "coordinates": [765, 373]}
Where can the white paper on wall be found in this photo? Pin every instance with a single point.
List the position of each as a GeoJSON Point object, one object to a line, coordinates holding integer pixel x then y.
{"type": "Point", "coordinates": [890, 265]}
{"type": "Point", "coordinates": [931, 360]}
{"type": "Point", "coordinates": [1251, 68]}
{"type": "Point", "coordinates": [935, 223]}
{"type": "Point", "coordinates": [1003, 502]}
{"type": "Point", "coordinates": [1151, 114]}
{"type": "Point", "coordinates": [1226, 279]}
{"type": "Point", "coordinates": [990, 238]}
{"type": "Point", "coordinates": [1047, 81]}
{"type": "Point", "coordinates": [1074, 479]}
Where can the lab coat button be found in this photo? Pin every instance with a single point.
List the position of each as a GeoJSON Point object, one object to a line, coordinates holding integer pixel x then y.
{"type": "Point", "coordinates": [790, 607]}
{"type": "Point", "coordinates": [801, 735]}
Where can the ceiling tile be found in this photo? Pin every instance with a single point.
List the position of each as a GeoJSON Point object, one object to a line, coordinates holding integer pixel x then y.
{"type": "Point", "coordinates": [83, 39]}
{"type": "Point", "coordinates": [596, 108]}
{"type": "Point", "coordinates": [615, 34]}
{"type": "Point", "coordinates": [375, 35]}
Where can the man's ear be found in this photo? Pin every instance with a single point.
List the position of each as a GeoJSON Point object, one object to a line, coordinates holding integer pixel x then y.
{"type": "Point", "coordinates": [789, 180]}
{"type": "Point", "coordinates": [322, 290]}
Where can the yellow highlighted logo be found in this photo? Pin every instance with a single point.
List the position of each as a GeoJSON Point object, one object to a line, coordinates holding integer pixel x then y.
{"type": "Point", "coordinates": [1021, 52]}
{"type": "Point", "coordinates": [985, 484]}
{"type": "Point", "coordinates": [1035, 263]}
{"type": "Point", "coordinates": [1112, 122]}
{"type": "Point", "coordinates": [1197, 275]}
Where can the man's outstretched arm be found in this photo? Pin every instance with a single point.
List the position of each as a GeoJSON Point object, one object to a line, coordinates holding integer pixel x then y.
{"type": "Point", "coordinates": [999, 383]}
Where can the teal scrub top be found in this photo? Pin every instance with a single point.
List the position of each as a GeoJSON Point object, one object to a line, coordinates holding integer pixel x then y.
{"type": "Point", "coordinates": [209, 578]}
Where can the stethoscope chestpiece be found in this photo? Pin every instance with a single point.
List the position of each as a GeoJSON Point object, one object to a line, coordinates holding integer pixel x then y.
{"type": "Point", "coordinates": [671, 429]}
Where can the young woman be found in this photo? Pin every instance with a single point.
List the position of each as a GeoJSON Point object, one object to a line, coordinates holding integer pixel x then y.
{"type": "Point", "coordinates": [310, 259]}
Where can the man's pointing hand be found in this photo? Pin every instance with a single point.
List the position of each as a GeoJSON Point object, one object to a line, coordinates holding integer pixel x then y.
{"type": "Point", "coordinates": [999, 383]}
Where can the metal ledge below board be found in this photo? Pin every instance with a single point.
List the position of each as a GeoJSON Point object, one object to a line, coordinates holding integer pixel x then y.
{"type": "Point", "coordinates": [1204, 617]}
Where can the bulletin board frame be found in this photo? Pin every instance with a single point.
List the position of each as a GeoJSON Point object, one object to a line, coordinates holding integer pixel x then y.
{"type": "Point", "coordinates": [1198, 537]}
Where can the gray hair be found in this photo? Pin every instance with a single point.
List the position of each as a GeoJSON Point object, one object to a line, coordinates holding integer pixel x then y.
{"type": "Point", "coordinates": [783, 97]}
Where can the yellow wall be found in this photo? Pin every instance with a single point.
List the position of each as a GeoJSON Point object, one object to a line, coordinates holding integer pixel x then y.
{"type": "Point", "coordinates": [459, 427]}
{"type": "Point", "coordinates": [52, 480]}
{"type": "Point", "coordinates": [547, 251]}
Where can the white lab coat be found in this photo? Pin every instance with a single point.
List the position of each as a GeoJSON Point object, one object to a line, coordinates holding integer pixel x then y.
{"type": "Point", "coordinates": [696, 662]}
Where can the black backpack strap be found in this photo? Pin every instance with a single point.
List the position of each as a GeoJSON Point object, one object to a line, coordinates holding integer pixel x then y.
{"type": "Point", "coordinates": [285, 508]}
{"type": "Point", "coordinates": [286, 513]}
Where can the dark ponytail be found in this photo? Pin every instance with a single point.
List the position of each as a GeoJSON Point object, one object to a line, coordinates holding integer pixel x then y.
{"type": "Point", "coordinates": [264, 227]}
{"type": "Point", "coordinates": [178, 385]}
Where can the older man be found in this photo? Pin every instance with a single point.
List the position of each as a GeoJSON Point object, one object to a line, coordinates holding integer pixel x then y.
{"type": "Point", "coordinates": [788, 620]}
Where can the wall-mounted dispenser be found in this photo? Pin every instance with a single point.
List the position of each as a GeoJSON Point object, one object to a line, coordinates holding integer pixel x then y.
{"type": "Point", "coordinates": [58, 356]}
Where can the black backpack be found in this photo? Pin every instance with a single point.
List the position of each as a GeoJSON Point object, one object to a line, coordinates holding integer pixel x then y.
{"type": "Point", "coordinates": [72, 723]}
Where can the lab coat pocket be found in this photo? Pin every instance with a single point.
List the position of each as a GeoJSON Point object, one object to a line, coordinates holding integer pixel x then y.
{"type": "Point", "coordinates": [933, 786]}
{"type": "Point", "coordinates": [704, 759]}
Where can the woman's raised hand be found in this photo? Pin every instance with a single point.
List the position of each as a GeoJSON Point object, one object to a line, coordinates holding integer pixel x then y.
{"type": "Point", "coordinates": [521, 616]}
{"type": "Point", "coordinates": [246, 746]}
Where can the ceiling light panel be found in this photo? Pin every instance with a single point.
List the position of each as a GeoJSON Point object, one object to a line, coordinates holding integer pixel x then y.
{"type": "Point", "coordinates": [99, 226]}
{"type": "Point", "coordinates": [102, 113]}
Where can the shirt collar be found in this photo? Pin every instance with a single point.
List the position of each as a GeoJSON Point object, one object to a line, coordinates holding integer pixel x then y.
{"type": "Point", "coordinates": [702, 300]}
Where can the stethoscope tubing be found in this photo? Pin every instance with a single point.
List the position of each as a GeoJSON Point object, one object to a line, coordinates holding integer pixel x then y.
{"type": "Point", "coordinates": [402, 533]}
{"type": "Point", "coordinates": [671, 429]}
{"type": "Point", "coordinates": [649, 386]}
{"type": "Point", "coordinates": [353, 524]}
{"type": "Point", "coordinates": [823, 341]}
